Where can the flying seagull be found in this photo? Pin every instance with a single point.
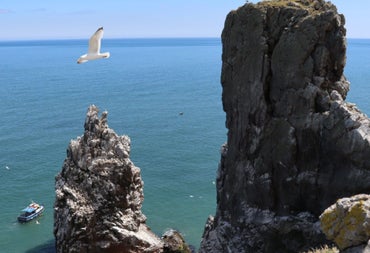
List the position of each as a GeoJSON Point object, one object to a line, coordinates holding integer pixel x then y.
{"type": "Point", "coordinates": [94, 48]}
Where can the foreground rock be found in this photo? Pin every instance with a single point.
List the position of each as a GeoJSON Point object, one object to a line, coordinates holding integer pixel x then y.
{"type": "Point", "coordinates": [347, 222]}
{"type": "Point", "coordinates": [294, 145]}
{"type": "Point", "coordinates": [99, 194]}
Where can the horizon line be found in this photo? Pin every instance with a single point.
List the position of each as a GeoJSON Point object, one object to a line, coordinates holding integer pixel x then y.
{"type": "Point", "coordinates": [139, 37]}
{"type": "Point", "coordinates": [109, 38]}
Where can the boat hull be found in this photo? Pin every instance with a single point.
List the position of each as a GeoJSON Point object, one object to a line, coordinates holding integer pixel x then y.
{"type": "Point", "coordinates": [25, 218]}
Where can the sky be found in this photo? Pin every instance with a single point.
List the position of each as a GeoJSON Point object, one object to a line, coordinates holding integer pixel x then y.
{"type": "Point", "coordinates": [71, 19]}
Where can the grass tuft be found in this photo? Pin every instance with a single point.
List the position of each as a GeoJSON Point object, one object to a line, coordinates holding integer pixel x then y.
{"type": "Point", "coordinates": [324, 249]}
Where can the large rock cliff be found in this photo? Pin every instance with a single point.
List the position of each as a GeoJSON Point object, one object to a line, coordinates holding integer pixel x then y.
{"type": "Point", "coordinates": [294, 144]}
{"type": "Point", "coordinates": [99, 194]}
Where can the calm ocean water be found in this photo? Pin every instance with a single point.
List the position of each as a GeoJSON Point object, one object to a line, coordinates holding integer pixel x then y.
{"type": "Point", "coordinates": [144, 86]}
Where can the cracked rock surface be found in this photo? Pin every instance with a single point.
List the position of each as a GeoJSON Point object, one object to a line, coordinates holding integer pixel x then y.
{"type": "Point", "coordinates": [294, 144]}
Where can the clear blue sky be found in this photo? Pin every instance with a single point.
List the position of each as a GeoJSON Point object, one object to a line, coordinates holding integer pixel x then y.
{"type": "Point", "coordinates": [52, 19]}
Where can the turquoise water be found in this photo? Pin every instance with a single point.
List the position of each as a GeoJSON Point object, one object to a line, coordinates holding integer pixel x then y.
{"type": "Point", "coordinates": [144, 86]}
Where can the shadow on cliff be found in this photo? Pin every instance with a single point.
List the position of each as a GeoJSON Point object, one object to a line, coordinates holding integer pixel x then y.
{"type": "Point", "coordinates": [48, 247]}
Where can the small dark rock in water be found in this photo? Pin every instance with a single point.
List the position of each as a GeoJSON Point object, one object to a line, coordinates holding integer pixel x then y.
{"type": "Point", "coordinates": [174, 243]}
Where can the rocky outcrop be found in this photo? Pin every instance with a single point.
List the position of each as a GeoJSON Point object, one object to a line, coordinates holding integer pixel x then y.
{"type": "Point", "coordinates": [174, 242]}
{"type": "Point", "coordinates": [347, 222]}
{"type": "Point", "coordinates": [99, 194]}
{"type": "Point", "coordinates": [294, 144]}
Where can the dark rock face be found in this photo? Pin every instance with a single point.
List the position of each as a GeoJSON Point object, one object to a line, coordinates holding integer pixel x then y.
{"type": "Point", "coordinates": [294, 145]}
{"type": "Point", "coordinates": [99, 194]}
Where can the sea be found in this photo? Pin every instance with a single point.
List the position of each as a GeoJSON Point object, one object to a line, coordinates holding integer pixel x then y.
{"type": "Point", "coordinates": [165, 94]}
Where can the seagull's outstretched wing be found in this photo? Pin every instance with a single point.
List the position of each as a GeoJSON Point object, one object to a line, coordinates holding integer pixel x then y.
{"type": "Point", "coordinates": [93, 52]}
{"type": "Point", "coordinates": [95, 41]}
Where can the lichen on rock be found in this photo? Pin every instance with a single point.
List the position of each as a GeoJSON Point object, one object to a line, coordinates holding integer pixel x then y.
{"type": "Point", "coordinates": [347, 222]}
{"type": "Point", "coordinates": [99, 195]}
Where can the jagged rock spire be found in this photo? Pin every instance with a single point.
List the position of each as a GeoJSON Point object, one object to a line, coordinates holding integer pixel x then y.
{"type": "Point", "coordinates": [99, 194]}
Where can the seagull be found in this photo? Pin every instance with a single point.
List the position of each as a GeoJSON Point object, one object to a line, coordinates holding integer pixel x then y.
{"type": "Point", "coordinates": [94, 48]}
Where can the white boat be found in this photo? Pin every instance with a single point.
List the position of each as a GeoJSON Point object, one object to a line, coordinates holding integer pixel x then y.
{"type": "Point", "coordinates": [32, 211]}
